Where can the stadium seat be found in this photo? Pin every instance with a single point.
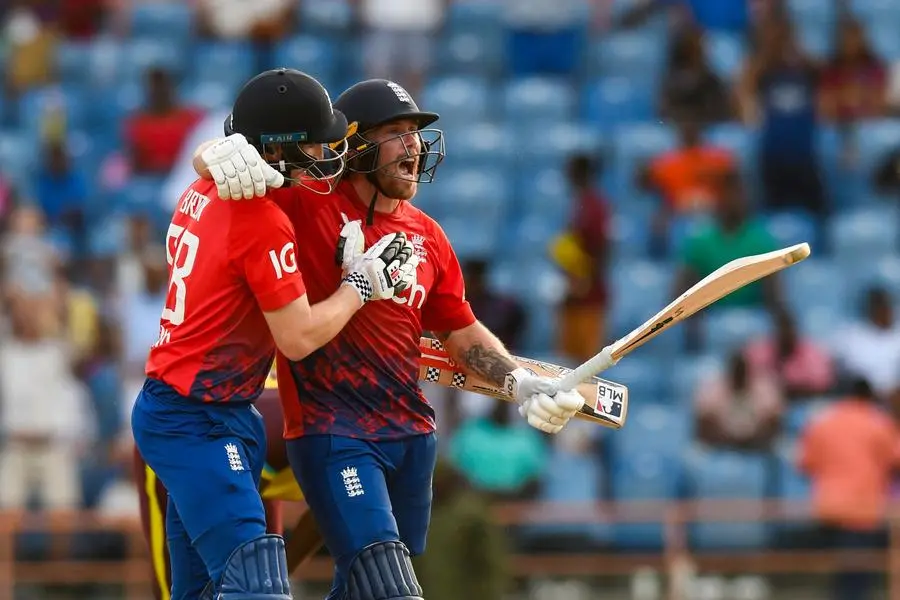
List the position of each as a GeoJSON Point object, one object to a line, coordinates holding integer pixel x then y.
{"type": "Point", "coordinates": [630, 233]}
{"type": "Point", "coordinates": [632, 147]}
{"type": "Point", "coordinates": [36, 104]}
{"type": "Point", "coordinates": [167, 21]}
{"type": "Point", "coordinates": [884, 39]}
{"type": "Point", "coordinates": [209, 95]}
{"type": "Point", "coordinates": [17, 164]}
{"type": "Point", "coordinates": [474, 15]}
{"type": "Point", "coordinates": [537, 98]}
{"type": "Point", "coordinates": [812, 283]}
{"type": "Point", "coordinates": [799, 415]}
{"type": "Point", "coordinates": [726, 53]}
{"type": "Point", "coordinates": [640, 289]}
{"type": "Point", "coordinates": [467, 52]}
{"type": "Point", "coordinates": [325, 15]}
{"type": "Point", "coordinates": [612, 101]}
{"type": "Point", "coordinates": [646, 375]}
{"type": "Point", "coordinates": [815, 39]}
{"type": "Point", "coordinates": [883, 271]}
{"type": "Point", "coordinates": [139, 55]}
{"type": "Point", "coordinates": [793, 483]}
{"type": "Point", "coordinates": [308, 53]}
{"type": "Point", "coordinates": [227, 63]}
{"type": "Point", "coordinates": [792, 227]}
{"type": "Point", "coordinates": [727, 330]}
{"type": "Point", "coordinates": [533, 233]}
{"type": "Point", "coordinates": [880, 137]}
{"type": "Point", "coordinates": [478, 144]}
{"type": "Point", "coordinates": [863, 233]}
{"type": "Point", "coordinates": [812, 11]}
{"type": "Point", "coordinates": [687, 373]}
{"type": "Point", "coordinates": [721, 475]}
{"type": "Point", "coordinates": [542, 325]}
{"type": "Point", "coordinates": [645, 465]}
{"type": "Point", "coordinates": [637, 54]}
{"type": "Point", "coordinates": [458, 99]}
{"type": "Point", "coordinates": [471, 238]}
{"type": "Point", "coordinates": [736, 138]}
{"type": "Point", "coordinates": [480, 192]}
{"type": "Point", "coordinates": [870, 12]}
{"type": "Point", "coordinates": [73, 62]}
{"type": "Point", "coordinates": [550, 144]}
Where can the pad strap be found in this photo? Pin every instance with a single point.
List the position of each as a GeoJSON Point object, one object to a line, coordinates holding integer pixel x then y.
{"type": "Point", "coordinates": [383, 571]}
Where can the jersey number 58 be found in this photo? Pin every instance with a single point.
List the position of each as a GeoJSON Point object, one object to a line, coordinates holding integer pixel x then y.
{"type": "Point", "coordinates": [181, 260]}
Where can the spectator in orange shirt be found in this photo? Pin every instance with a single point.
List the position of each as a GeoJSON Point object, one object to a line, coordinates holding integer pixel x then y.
{"type": "Point", "coordinates": [802, 367]}
{"type": "Point", "coordinates": [850, 453]}
{"type": "Point", "coordinates": [686, 178]}
{"type": "Point", "coordinates": [155, 134]}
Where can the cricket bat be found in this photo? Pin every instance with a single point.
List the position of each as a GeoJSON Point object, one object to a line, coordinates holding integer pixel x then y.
{"type": "Point", "coordinates": [605, 402]}
{"type": "Point", "coordinates": [715, 286]}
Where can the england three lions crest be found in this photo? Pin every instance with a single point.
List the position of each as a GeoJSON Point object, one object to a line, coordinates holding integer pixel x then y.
{"type": "Point", "coordinates": [418, 242]}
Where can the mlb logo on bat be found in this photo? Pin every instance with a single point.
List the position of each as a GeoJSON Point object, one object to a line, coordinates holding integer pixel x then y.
{"type": "Point", "coordinates": [610, 400]}
{"type": "Point", "coordinates": [352, 483]}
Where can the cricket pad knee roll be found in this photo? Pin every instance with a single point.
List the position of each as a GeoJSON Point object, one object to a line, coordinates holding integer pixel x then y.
{"type": "Point", "coordinates": [257, 571]}
{"type": "Point", "coordinates": [383, 571]}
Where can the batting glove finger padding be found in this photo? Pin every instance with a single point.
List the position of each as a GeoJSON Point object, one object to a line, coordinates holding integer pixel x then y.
{"type": "Point", "coordinates": [238, 169]}
{"type": "Point", "coordinates": [385, 269]}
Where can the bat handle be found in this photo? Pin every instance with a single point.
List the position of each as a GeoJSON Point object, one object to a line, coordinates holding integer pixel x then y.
{"type": "Point", "coordinates": [599, 363]}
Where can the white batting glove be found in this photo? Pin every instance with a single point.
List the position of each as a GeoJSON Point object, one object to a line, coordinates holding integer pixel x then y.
{"type": "Point", "coordinates": [351, 243]}
{"type": "Point", "coordinates": [384, 270]}
{"type": "Point", "coordinates": [540, 403]}
{"type": "Point", "coordinates": [238, 169]}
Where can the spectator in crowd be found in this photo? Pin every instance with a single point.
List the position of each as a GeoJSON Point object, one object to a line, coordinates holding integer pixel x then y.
{"type": "Point", "coordinates": [738, 409]}
{"type": "Point", "coordinates": [31, 267]}
{"type": "Point", "coordinates": [42, 414]}
{"type": "Point", "coordinates": [582, 252]}
{"type": "Point", "coordinates": [691, 91]}
{"type": "Point", "coordinates": [850, 453]}
{"type": "Point", "coordinates": [778, 90]}
{"type": "Point", "coordinates": [686, 178]}
{"type": "Point", "coordinates": [732, 234]}
{"type": "Point", "coordinates": [399, 38]}
{"type": "Point", "coordinates": [129, 266]}
{"type": "Point", "coordinates": [155, 134]}
{"type": "Point", "coordinates": [497, 456]}
{"type": "Point", "coordinates": [261, 21]}
{"type": "Point", "coordinates": [30, 40]}
{"type": "Point", "coordinates": [62, 192]}
{"type": "Point", "coordinates": [886, 176]}
{"type": "Point", "coordinates": [474, 561]}
{"type": "Point", "coordinates": [800, 366]}
{"type": "Point", "coordinates": [869, 348]}
{"type": "Point", "coordinates": [854, 82]}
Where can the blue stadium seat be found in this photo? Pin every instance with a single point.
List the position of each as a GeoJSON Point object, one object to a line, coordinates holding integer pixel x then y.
{"type": "Point", "coordinates": [209, 95]}
{"type": "Point", "coordinates": [311, 54]}
{"type": "Point", "coordinates": [36, 103]}
{"type": "Point", "coordinates": [162, 20]}
{"type": "Point", "coordinates": [17, 164]}
{"type": "Point", "coordinates": [633, 146]}
{"type": "Point", "coordinates": [870, 12]}
{"type": "Point", "coordinates": [537, 98]}
{"type": "Point", "coordinates": [543, 144]}
{"type": "Point", "coordinates": [881, 136]}
{"type": "Point", "coordinates": [864, 233]}
{"type": "Point", "coordinates": [471, 238]}
{"type": "Point", "coordinates": [74, 62]}
{"type": "Point", "coordinates": [458, 99]}
{"type": "Point", "coordinates": [881, 270]}
{"type": "Point", "coordinates": [611, 101]}
{"type": "Point", "coordinates": [637, 54]}
{"type": "Point", "coordinates": [793, 483]}
{"type": "Point", "coordinates": [325, 15]}
{"type": "Point", "coordinates": [539, 282]}
{"type": "Point", "coordinates": [143, 194]}
{"type": "Point", "coordinates": [647, 378]}
{"type": "Point", "coordinates": [740, 140]}
{"type": "Point", "coordinates": [715, 474]}
{"type": "Point", "coordinates": [683, 227]}
{"type": "Point", "coordinates": [799, 414]}
{"type": "Point", "coordinates": [814, 282]}
{"type": "Point", "coordinates": [812, 11]}
{"type": "Point", "coordinates": [139, 55]}
{"type": "Point", "coordinates": [792, 227]}
{"type": "Point", "coordinates": [108, 237]}
{"type": "Point", "coordinates": [816, 39]}
{"type": "Point", "coordinates": [640, 288]}
{"type": "Point", "coordinates": [467, 52]}
{"type": "Point", "coordinates": [645, 465]}
{"type": "Point", "coordinates": [478, 144]}
{"type": "Point", "coordinates": [474, 192]}
{"type": "Point", "coordinates": [884, 39]}
{"type": "Point", "coordinates": [817, 322]}
{"type": "Point", "coordinates": [540, 332]}
{"type": "Point", "coordinates": [542, 191]}
{"type": "Point", "coordinates": [531, 237]}
{"type": "Point", "coordinates": [727, 330]}
{"type": "Point", "coordinates": [725, 52]}
{"type": "Point", "coordinates": [229, 63]}
{"type": "Point", "coordinates": [630, 232]}
{"type": "Point", "coordinates": [469, 15]}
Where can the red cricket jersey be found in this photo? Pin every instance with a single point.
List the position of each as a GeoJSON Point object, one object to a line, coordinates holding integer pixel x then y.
{"type": "Point", "coordinates": [228, 262]}
{"type": "Point", "coordinates": [364, 383]}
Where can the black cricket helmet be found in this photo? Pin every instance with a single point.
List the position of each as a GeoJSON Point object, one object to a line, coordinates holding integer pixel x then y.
{"type": "Point", "coordinates": [288, 116]}
{"type": "Point", "coordinates": [376, 102]}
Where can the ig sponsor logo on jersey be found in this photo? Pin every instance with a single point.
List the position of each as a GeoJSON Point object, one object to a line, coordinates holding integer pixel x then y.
{"type": "Point", "coordinates": [285, 261]}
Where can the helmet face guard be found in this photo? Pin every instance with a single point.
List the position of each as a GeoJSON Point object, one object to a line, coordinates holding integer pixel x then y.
{"type": "Point", "coordinates": [317, 174]}
{"type": "Point", "coordinates": [422, 164]}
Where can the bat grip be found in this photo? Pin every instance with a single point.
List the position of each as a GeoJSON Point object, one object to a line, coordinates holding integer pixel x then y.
{"type": "Point", "coordinates": [599, 363]}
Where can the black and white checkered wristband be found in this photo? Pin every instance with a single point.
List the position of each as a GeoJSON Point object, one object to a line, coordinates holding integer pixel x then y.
{"type": "Point", "coordinates": [361, 285]}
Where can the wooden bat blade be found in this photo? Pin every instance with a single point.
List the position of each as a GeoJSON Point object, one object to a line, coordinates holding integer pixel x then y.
{"type": "Point", "coordinates": [605, 402]}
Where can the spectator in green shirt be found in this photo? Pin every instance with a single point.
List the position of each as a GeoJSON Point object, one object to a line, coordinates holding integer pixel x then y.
{"type": "Point", "coordinates": [733, 233]}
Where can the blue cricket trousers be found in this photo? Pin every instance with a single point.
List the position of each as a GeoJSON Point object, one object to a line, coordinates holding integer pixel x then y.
{"type": "Point", "coordinates": [362, 492]}
{"type": "Point", "coordinates": [210, 458]}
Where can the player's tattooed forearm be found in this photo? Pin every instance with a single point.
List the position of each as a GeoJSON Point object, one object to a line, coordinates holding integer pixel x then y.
{"type": "Point", "coordinates": [488, 363]}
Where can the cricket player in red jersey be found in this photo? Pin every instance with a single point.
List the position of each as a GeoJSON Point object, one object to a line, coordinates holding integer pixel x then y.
{"type": "Point", "coordinates": [360, 433]}
{"type": "Point", "coordinates": [235, 294]}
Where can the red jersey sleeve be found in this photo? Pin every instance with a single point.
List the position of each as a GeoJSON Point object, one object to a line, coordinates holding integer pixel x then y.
{"type": "Point", "coordinates": [446, 308]}
{"type": "Point", "coordinates": [264, 253]}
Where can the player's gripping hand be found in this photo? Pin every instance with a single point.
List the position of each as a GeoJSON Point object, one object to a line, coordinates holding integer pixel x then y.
{"type": "Point", "coordinates": [541, 403]}
{"type": "Point", "coordinates": [384, 270]}
{"type": "Point", "coordinates": [238, 169]}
